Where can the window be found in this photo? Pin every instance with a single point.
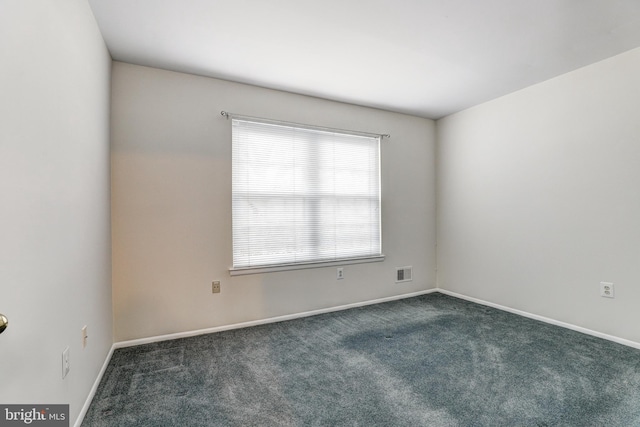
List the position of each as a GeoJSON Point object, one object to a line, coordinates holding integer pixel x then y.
{"type": "Point", "coordinates": [303, 195]}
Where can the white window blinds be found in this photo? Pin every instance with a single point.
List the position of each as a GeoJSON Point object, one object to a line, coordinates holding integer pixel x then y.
{"type": "Point", "coordinates": [303, 195]}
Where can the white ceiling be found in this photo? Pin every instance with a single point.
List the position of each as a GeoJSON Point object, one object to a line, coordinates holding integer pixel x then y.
{"type": "Point", "coordinates": [424, 57]}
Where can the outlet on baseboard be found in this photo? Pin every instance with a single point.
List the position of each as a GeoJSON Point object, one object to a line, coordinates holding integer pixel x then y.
{"type": "Point", "coordinates": [606, 290]}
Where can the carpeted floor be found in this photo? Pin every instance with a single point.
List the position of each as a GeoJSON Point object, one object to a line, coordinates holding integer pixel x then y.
{"type": "Point", "coordinates": [432, 360]}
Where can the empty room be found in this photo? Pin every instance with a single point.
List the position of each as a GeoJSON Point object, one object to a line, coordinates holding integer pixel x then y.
{"type": "Point", "coordinates": [320, 213]}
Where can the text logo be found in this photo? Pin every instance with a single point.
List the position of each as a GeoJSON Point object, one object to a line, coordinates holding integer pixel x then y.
{"type": "Point", "coordinates": [34, 415]}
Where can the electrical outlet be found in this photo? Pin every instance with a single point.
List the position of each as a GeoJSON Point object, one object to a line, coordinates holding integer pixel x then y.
{"type": "Point", "coordinates": [340, 273]}
{"type": "Point", "coordinates": [84, 336]}
{"type": "Point", "coordinates": [215, 287]}
{"type": "Point", "coordinates": [606, 290]}
{"type": "Point", "coordinates": [65, 362]}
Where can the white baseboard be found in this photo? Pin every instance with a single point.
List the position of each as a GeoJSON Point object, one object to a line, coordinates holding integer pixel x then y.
{"type": "Point", "coordinates": [187, 334]}
{"type": "Point", "coordinates": [615, 339]}
{"type": "Point", "coordinates": [94, 388]}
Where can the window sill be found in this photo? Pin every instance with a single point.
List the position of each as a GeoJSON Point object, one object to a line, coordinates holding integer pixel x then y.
{"type": "Point", "coordinates": [301, 266]}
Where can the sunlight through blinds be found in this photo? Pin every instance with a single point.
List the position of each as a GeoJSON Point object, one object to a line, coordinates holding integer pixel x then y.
{"type": "Point", "coordinates": [303, 195]}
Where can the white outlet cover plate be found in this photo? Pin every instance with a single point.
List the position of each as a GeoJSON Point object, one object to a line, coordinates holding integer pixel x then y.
{"type": "Point", "coordinates": [606, 290]}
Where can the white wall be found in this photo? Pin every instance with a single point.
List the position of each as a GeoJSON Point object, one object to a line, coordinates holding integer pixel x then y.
{"type": "Point", "coordinates": [539, 198]}
{"type": "Point", "coordinates": [171, 205]}
{"type": "Point", "coordinates": [55, 260]}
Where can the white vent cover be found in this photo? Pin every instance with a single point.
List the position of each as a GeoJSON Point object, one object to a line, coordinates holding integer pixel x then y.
{"type": "Point", "coordinates": [404, 274]}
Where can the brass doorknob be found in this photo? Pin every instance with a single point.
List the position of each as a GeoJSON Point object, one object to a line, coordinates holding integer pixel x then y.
{"type": "Point", "coordinates": [4, 322]}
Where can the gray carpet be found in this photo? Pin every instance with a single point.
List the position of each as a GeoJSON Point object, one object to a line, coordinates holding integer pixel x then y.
{"type": "Point", "coordinates": [432, 360]}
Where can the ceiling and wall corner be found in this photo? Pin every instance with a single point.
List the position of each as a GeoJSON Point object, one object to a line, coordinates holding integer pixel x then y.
{"type": "Point", "coordinates": [428, 58]}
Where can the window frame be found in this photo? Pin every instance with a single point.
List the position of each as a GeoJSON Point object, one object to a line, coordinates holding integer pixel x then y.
{"type": "Point", "coordinates": [317, 263]}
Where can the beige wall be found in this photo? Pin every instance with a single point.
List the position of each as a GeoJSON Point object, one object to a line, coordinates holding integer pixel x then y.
{"type": "Point", "coordinates": [539, 200]}
{"type": "Point", "coordinates": [171, 205]}
{"type": "Point", "coordinates": [55, 257]}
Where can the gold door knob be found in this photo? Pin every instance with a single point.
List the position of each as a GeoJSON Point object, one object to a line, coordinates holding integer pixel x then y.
{"type": "Point", "coordinates": [3, 323]}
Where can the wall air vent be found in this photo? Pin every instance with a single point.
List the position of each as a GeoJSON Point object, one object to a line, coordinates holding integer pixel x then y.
{"type": "Point", "coordinates": [404, 274]}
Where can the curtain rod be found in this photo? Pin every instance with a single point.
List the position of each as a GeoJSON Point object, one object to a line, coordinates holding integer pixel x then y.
{"type": "Point", "coordinates": [228, 115]}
